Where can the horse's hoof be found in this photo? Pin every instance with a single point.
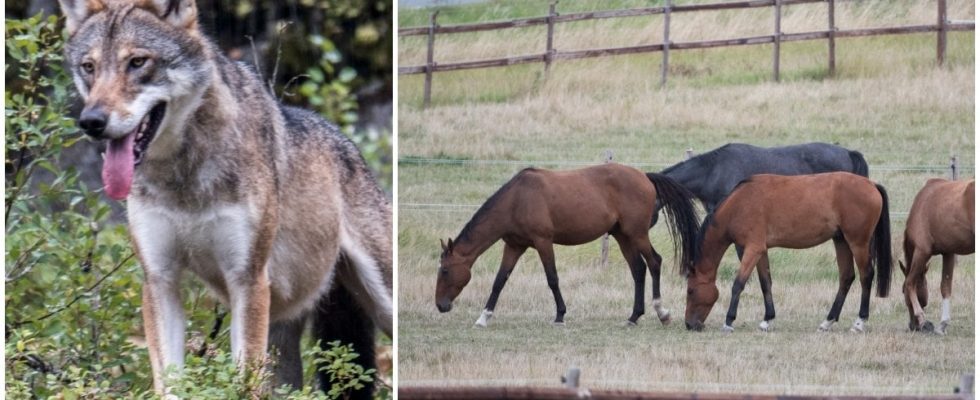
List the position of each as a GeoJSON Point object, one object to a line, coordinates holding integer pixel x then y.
{"type": "Point", "coordinates": [765, 326]}
{"type": "Point", "coordinates": [927, 327]}
{"type": "Point", "coordinates": [825, 326]}
{"type": "Point", "coordinates": [560, 324]}
{"type": "Point", "coordinates": [858, 326]}
{"type": "Point", "coordinates": [484, 319]}
{"type": "Point", "coordinates": [630, 324]}
{"type": "Point", "coordinates": [942, 328]}
{"type": "Point", "coordinates": [727, 329]}
{"type": "Point", "coordinates": [665, 318]}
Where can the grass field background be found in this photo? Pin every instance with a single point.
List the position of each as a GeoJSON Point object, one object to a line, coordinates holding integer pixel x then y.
{"type": "Point", "coordinates": [888, 101]}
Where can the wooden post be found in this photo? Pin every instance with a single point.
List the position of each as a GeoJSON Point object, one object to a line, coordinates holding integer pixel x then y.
{"type": "Point", "coordinates": [571, 378]}
{"type": "Point", "coordinates": [550, 49]}
{"type": "Point", "coordinates": [605, 238]}
{"type": "Point", "coordinates": [941, 40]}
{"type": "Point", "coordinates": [953, 173]}
{"type": "Point", "coordinates": [666, 60]}
{"type": "Point", "coordinates": [776, 36]}
{"type": "Point", "coordinates": [831, 34]}
{"type": "Point", "coordinates": [429, 64]}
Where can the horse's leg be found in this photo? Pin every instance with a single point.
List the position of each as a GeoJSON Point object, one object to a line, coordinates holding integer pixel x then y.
{"type": "Point", "coordinates": [749, 260]}
{"type": "Point", "coordinates": [765, 281]}
{"type": "Point", "coordinates": [845, 268]}
{"type": "Point", "coordinates": [637, 271]}
{"type": "Point", "coordinates": [547, 253]}
{"type": "Point", "coordinates": [511, 254]}
{"type": "Point", "coordinates": [946, 289]}
{"type": "Point", "coordinates": [917, 270]}
{"type": "Point", "coordinates": [654, 264]}
{"type": "Point", "coordinates": [862, 259]}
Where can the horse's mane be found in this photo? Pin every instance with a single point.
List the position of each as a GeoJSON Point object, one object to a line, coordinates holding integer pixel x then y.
{"type": "Point", "coordinates": [708, 157]}
{"type": "Point", "coordinates": [488, 205]}
{"type": "Point", "coordinates": [709, 220]}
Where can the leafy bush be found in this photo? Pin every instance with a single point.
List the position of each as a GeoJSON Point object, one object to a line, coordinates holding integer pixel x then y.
{"type": "Point", "coordinates": [72, 282]}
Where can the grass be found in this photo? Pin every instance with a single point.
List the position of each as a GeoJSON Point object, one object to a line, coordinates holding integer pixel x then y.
{"type": "Point", "coordinates": [888, 101]}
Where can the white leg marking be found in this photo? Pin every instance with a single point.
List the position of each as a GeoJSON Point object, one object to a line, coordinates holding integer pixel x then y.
{"type": "Point", "coordinates": [484, 318]}
{"type": "Point", "coordinates": [825, 326]}
{"type": "Point", "coordinates": [727, 329]}
{"type": "Point", "coordinates": [945, 310]}
{"type": "Point", "coordinates": [858, 326]}
{"type": "Point", "coordinates": [662, 313]}
{"type": "Point", "coordinates": [370, 277]}
{"type": "Point", "coordinates": [765, 326]}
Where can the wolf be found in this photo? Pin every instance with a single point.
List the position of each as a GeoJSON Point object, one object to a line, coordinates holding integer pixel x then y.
{"type": "Point", "coordinates": [269, 205]}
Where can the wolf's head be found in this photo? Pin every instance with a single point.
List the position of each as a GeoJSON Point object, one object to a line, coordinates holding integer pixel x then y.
{"type": "Point", "coordinates": [141, 67]}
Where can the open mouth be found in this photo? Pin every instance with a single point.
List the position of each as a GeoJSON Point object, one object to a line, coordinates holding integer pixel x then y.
{"type": "Point", "coordinates": [147, 130]}
{"type": "Point", "coordinates": [124, 154]}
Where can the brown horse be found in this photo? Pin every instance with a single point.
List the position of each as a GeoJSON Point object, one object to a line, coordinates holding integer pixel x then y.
{"type": "Point", "coordinates": [794, 212]}
{"type": "Point", "coordinates": [940, 222]}
{"type": "Point", "coordinates": [540, 208]}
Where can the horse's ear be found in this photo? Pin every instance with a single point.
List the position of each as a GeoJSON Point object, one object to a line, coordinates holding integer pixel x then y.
{"type": "Point", "coordinates": [443, 244]}
{"type": "Point", "coordinates": [450, 244]}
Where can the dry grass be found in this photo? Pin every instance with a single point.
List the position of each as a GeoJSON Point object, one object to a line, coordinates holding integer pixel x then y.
{"type": "Point", "coordinates": [889, 102]}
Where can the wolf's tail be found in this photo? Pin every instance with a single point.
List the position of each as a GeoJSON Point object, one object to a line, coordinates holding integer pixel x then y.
{"type": "Point", "coordinates": [339, 317]}
{"type": "Point", "coordinates": [881, 245]}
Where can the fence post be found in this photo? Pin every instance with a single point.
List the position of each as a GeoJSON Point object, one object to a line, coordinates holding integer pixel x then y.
{"type": "Point", "coordinates": [604, 261]}
{"type": "Point", "coordinates": [429, 64]}
{"type": "Point", "coordinates": [571, 378]}
{"type": "Point", "coordinates": [688, 154]}
{"type": "Point", "coordinates": [941, 26]}
{"type": "Point", "coordinates": [831, 35]}
{"type": "Point", "coordinates": [550, 49]}
{"type": "Point", "coordinates": [953, 173]}
{"type": "Point", "coordinates": [776, 36]}
{"type": "Point", "coordinates": [666, 60]}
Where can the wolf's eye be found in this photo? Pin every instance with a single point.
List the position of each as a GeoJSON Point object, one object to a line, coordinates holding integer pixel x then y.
{"type": "Point", "coordinates": [88, 67]}
{"type": "Point", "coordinates": [136, 62]}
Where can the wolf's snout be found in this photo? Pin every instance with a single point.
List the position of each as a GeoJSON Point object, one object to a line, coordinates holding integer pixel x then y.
{"type": "Point", "coordinates": [444, 305]}
{"type": "Point", "coordinates": [93, 120]}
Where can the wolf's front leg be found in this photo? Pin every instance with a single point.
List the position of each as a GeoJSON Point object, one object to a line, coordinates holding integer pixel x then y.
{"type": "Point", "coordinates": [164, 325]}
{"type": "Point", "coordinates": [250, 320]}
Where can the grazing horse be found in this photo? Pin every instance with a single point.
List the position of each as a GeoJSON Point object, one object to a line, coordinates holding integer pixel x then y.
{"type": "Point", "coordinates": [940, 222]}
{"type": "Point", "coordinates": [712, 176]}
{"type": "Point", "coordinates": [540, 208]}
{"type": "Point", "coordinates": [794, 212]}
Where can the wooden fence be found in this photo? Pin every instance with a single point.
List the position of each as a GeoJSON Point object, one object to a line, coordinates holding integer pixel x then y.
{"type": "Point", "coordinates": [550, 55]}
{"type": "Point", "coordinates": [571, 390]}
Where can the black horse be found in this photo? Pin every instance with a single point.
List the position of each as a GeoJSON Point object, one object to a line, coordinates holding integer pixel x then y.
{"type": "Point", "coordinates": [713, 175]}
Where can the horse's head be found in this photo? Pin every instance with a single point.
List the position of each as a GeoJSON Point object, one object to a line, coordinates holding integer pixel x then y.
{"type": "Point", "coordinates": [701, 296]}
{"type": "Point", "coordinates": [454, 274]}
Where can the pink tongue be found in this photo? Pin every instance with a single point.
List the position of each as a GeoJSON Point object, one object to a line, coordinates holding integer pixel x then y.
{"type": "Point", "coordinates": [117, 169]}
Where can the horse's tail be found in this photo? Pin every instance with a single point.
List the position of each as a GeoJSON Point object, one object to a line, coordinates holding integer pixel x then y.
{"type": "Point", "coordinates": [858, 162]}
{"type": "Point", "coordinates": [678, 203]}
{"type": "Point", "coordinates": [881, 245]}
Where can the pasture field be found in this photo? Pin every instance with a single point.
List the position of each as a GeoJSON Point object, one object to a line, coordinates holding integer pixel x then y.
{"type": "Point", "coordinates": [888, 101]}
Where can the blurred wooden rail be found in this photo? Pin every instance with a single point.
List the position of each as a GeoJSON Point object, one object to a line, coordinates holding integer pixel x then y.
{"type": "Point", "coordinates": [521, 393]}
{"type": "Point", "coordinates": [942, 26]}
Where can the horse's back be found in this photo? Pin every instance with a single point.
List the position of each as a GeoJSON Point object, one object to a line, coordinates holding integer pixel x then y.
{"type": "Point", "coordinates": [942, 217]}
{"type": "Point", "coordinates": [802, 211]}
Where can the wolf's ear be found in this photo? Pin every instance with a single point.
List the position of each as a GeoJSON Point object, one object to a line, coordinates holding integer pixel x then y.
{"type": "Point", "coordinates": [179, 13]}
{"type": "Point", "coordinates": [77, 11]}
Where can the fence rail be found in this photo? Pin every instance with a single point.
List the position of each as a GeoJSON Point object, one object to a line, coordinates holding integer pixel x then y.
{"type": "Point", "coordinates": [941, 27]}
{"type": "Point", "coordinates": [572, 390]}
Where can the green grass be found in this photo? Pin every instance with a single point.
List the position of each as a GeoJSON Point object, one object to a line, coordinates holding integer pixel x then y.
{"type": "Point", "coordinates": [888, 101]}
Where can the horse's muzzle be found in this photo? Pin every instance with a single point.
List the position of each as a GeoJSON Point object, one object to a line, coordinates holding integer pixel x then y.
{"type": "Point", "coordinates": [696, 326]}
{"type": "Point", "coordinates": [444, 305]}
